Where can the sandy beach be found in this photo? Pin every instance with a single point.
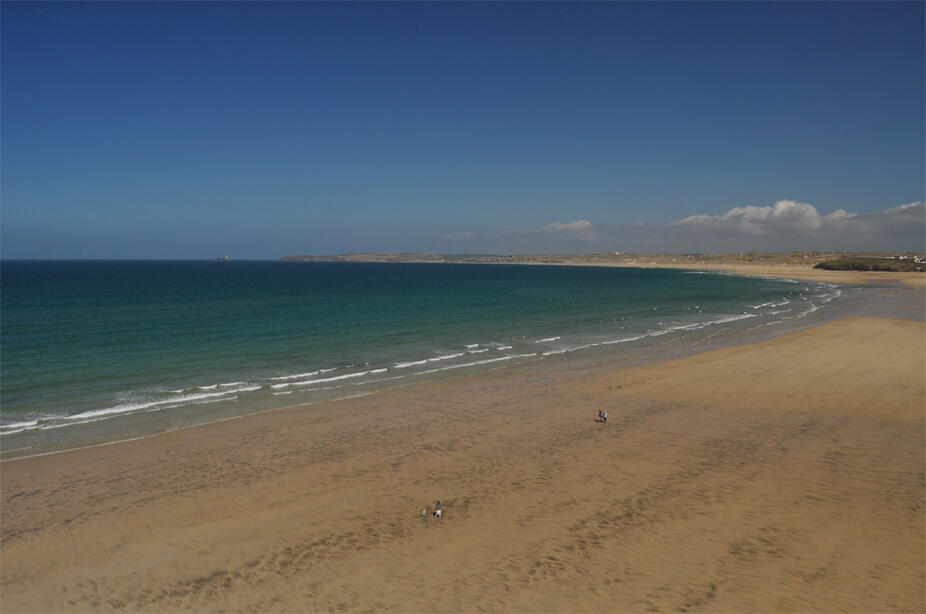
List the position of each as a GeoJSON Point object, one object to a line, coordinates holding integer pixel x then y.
{"type": "Point", "coordinates": [785, 476]}
{"type": "Point", "coordinates": [786, 265]}
{"type": "Point", "coordinates": [463, 307]}
{"type": "Point", "coordinates": [792, 271]}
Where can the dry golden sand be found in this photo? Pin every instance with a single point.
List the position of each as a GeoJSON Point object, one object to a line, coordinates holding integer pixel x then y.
{"type": "Point", "coordinates": [793, 271]}
{"type": "Point", "coordinates": [786, 475]}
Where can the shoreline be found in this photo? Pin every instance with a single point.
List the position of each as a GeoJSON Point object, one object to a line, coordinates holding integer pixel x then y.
{"type": "Point", "coordinates": [792, 269]}
{"type": "Point", "coordinates": [784, 271]}
{"type": "Point", "coordinates": [768, 477]}
{"type": "Point", "coordinates": [632, 354]}
{"type": "Point", "coordinates": [905, 302]}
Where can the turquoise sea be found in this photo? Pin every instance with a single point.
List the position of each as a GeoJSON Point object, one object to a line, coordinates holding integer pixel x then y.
{"type": "Point", "coordinates": [94, 351]}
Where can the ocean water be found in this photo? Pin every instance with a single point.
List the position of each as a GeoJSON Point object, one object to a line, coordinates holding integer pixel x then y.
{"type": "Point", "coordinates": [96, 351]}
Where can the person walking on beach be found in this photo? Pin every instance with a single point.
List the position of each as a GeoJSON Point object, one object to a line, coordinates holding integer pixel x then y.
{"type": "Point", "coordinates": [604, 416]}
{"type": "Point", "coordinates": [600, 416]}
{"type": "Point", "coordinates": [437, 510]}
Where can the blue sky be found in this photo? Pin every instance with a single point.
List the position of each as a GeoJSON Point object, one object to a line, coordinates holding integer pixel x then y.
{"type": "Point", "coordinates": [176, 130]}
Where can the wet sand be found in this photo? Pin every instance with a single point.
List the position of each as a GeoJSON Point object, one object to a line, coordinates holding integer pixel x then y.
{"type": "Point", "coordinates": [785, 475]}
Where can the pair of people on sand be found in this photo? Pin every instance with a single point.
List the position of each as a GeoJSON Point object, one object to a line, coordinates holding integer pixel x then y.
{"type": "Point", "coordinates": [437, 510]}
{"type": "Point", "coordinates": [603, 415]}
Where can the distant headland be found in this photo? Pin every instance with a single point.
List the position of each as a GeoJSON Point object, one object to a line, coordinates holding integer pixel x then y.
{"type": "Point", "coordinates": [868, 261]}
{"type": "Point", "coordinates": [844, 267]}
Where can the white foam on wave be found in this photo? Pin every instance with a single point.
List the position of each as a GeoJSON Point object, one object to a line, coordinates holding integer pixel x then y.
{"type": "Point", "coordinates": [362, 383]}
{"type": "Point", "coordinates": [58, 422]}
{"type": "Point", "coordinates": [478, 351]}
{"type": "Point", "coordinates": [146, 407]}
{"type": "Point", "coordinates": [785, 280]}
{"type": "Point", "coordinates": [624, 340]}
{"type": "Point", "coordinates": [203, 402]}
{"type": "Point", "coordinates": [504, 347]}
{"type": "Point", "coordinates": [177, 401]}
{"type": "Point", "coordinates": [812, 308]}
{"type": "Point", "coordinates": [547, 340]}
{"type": "Point", "coordinates": [415, 363]}
{"type": "Point", "coordinates": [217, 386]}
{"type": "Point", "coordinates": [19, 427]}
{"type": "Point", "coordinates": [297, 375]}
{"type": "Point", "coordinates": [711, 272]}
{"type": "Point", "coordinates": [694, 326]}
{"type": "Point", "coordinates": [589, 345]}
{"type": "Point", "coordinates": [320, 381]}
{"type": "Point", "coordinates": [659, 332]}
{"type": "Point", "coordinates": [727, 319]}
{"type": "Point", "coordinates": [478, 362]}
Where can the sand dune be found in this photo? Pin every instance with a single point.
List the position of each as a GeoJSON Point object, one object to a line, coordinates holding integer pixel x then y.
{"type": "Point", "coordinates": [786, 475]}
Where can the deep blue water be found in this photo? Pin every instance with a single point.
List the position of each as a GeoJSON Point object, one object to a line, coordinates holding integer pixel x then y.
{"type": "Point", "coordinates": [86, 344]}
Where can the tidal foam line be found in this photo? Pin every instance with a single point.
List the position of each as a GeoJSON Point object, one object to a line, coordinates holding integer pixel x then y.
{"type": "Point", "coordinates": [731, 319]}
{"type": "Point", "coordinates": [18, 427]}
{"type": "Point", "coordinates": [296, 376]}
{"type": "Point", "coordinates": [130, 407]}
{"type": "Point", "coordinates": [478, 362]}
{"type": "Point", "coordinates": [159, 404]}
{"type": "Point", "coordinates": [216, 386]}
{"type": "Point", "coordinates": [319, 381]}
{"type": "Point", "coordinates": [624, 340]}
{"type": "Point", "coordinates": [405, 365]}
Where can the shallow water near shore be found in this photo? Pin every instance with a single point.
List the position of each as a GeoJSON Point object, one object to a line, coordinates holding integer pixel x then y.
{"type": "Point", "coordinates": [102, 351]}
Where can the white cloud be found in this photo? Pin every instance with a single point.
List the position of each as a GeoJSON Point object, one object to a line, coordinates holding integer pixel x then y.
{"type": "Point", "coordinates": [576, 226]}
{"type": "Point", "coordinates": [906, 219]}
{"type": "Point", "coordinates": [785, 216]}
{"type": "Point", "coordinates": [784, 226]}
